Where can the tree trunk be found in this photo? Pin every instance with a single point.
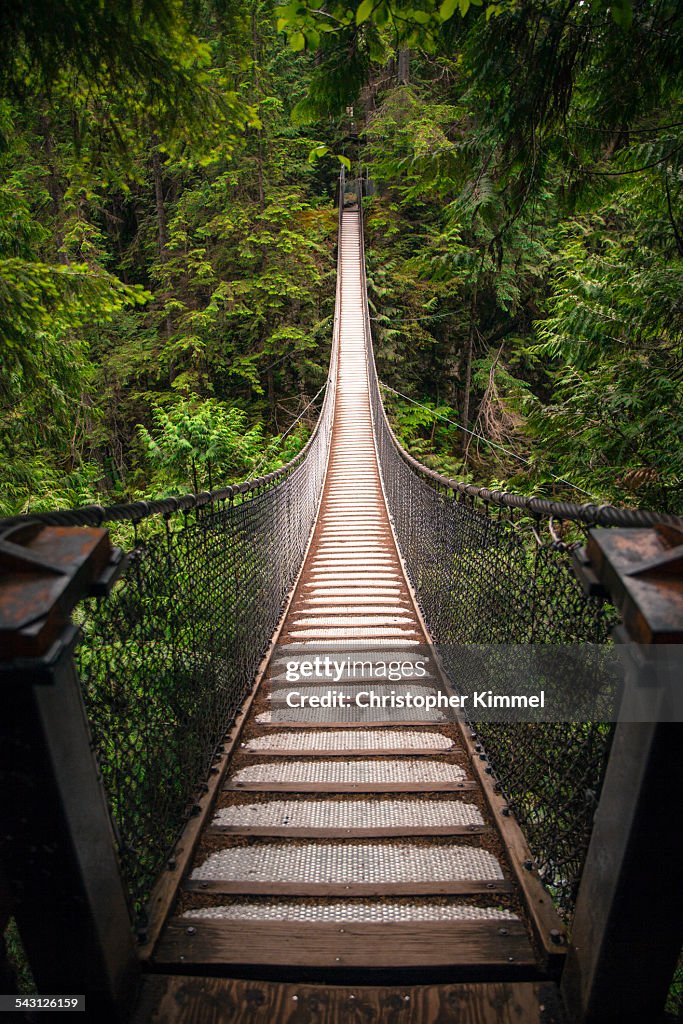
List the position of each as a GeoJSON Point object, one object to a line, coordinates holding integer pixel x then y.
{"type": "Point", "coordinates": [54, 185]}
{"type": "Point", "coordinates": [404, 67]}
{"type": "Point", "coordinates": [272, 404]}
{"type": "Point", "coordinates": [468, 382]}
{"type": "Point", "coordinates": [255, 99]}
{"type": "Point", "coordinates": [162, 228]}
{"type": "Point", "coordinates": [468, 375]}
{"type": "Point", "coordinates": [259, 166]}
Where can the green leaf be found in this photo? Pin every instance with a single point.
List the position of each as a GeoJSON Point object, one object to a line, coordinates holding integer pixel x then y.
{"type": "Point", "coordinates": [312, 38]}
{"type": "Point", "coordinates": [297, 40]}
{"type": "Point", "coordinates": [421, 17]}
{"type": "Point", "coordinates": [316, 153]}
{"type": "Point", "coordinates": [364, 11]}
{"type": "Point", "coordinates": [464, 6]}
{"type": "Point", "coordinates": [345, 161]}
{"type": "Point", "coordinates": [447, 9]}
{"type": "Point", "coordinates": [622, 12]}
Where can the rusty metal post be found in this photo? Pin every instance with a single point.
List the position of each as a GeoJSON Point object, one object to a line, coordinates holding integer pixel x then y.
{"type": "Point", "coordinates": [57, 848]}
{"type": "Point", "coordinates": [628, 925]}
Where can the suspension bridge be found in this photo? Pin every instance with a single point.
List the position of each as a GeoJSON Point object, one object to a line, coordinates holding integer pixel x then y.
{"type": "Point", "coordinates": [194, 834]}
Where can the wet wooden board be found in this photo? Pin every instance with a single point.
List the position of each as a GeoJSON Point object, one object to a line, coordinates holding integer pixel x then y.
{"type": "Point", "coordinates": [349, 787]}
{"type": "Point", "coordinates": [463, 887]}
{"type": "Point", "coordinates": [370, 723]}
{"type": "Point", "coordinates": [201, 1000]}
{"type": "Point", "coordinates": [350, 944]}
{"type": "Point", "coordinates": [304, 832]}
{"type": "Point", "coordinates": [359, 752]}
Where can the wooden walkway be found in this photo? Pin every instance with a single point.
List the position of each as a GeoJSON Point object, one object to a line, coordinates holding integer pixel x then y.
{"type": "Point", "coordinates": [356, 846]}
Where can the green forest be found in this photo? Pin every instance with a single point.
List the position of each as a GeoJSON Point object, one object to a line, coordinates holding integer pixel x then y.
{"type": "Point", "coordinates": [168, 233]}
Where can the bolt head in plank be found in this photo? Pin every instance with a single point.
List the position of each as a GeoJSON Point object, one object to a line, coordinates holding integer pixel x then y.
{"type": "Point", "coordinates": [44, 572]}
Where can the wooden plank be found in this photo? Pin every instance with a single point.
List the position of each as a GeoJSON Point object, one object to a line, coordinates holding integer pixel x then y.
{"type": "Point", "coordinates": [288, 832]}
{"type": "Point", "coordinates": [349, 787]}
{"type": "Point", "coordinates": [359, 752]}
{"type": "Point", "coordinates": [361, 724]}
{"type": "Point", "coordinates": [169, 999]}
{"type": "Point", "coordinates": [227, 886]}
{"type": "Point", "coordinates": [272, 686]}
{"type": "Point", "coordinates": [367, 944]}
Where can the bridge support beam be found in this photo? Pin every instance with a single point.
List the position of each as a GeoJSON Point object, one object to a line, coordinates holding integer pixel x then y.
{"type": "Point", "coordinates": [57, 849]}
{"type": "Point", "coordinates": [628, 926]}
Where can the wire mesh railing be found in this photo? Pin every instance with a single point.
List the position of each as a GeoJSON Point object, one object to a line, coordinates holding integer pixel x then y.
{"type": "Point", "coordinates": [168, 658]}
{"type": "Point", "coordinates": [483, 576]}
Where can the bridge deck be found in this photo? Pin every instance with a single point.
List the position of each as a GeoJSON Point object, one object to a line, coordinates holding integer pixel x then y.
{"type": "Point", "coordinates": [354, 843]}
